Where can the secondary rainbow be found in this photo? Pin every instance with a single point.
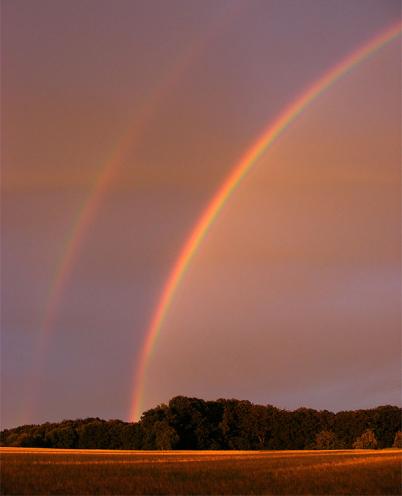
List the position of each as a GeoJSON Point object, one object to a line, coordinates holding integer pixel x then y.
{"type": "Point", "coordinates": [232, 181]}
{"type": "Point", "coordinates": [109, 171]}
{"type": "Point", "coordinates": [111, 168]}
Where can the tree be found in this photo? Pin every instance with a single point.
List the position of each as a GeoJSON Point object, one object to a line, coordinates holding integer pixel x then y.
{"type": "Point", "coordinates": [304, 426]}
{"type": "Point", "coordinates": [348, 425]}
{"type": "Point", "coordinates": [236, 425]}
{"type": "Point", "coordinates": [398, 440]}
{"type": "Point", "coordinates": [188, 418]}
{"type": "Point", "coordinates": [385, 422]}
{"type": "Point", "coordinates": [280, 428]}
{"type": "Point", "coordinates": [132, 436]}
{"type": "Point", "coordinates": [192, 423]}
{"type": "Point", "coordinates": [147, 423]}
{"type": "Point", "coordinates": [63, 437]}
{"type": "Point", "coordinates": [93, 434]}
{"type": "Point", "coordinates": [166, 437]}
{"type": "Point", "coordinates": [366, 441]}
{"type": "Point", "coordinates": [326, 440]}
{"type": "Point", "coordinates": [260, 426]}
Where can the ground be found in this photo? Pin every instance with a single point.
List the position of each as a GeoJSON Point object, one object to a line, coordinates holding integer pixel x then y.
{"type": "Point", "coordinates": [77, 472]}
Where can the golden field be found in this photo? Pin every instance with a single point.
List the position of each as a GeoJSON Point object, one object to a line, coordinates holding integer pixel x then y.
{"type": "Point", "coordinates": [37, 471]}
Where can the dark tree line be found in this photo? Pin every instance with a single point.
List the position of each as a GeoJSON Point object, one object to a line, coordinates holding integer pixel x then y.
{"type": "Point", "coordinates": [192, 423]}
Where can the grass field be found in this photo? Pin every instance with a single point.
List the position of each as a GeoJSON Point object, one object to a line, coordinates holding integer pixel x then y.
{"type": "Point", "coordinates": [72, 472]}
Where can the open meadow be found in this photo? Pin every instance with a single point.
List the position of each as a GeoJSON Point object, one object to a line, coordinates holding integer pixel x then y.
{"type": "Point", "coordinates": [71, 472]}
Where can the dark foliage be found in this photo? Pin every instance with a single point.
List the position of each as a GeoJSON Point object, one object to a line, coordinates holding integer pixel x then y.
{"type": "Point", "coordinates": [192, 423]}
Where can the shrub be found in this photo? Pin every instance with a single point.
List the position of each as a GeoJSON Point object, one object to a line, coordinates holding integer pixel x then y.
{"type": "Point", "coordinates": [326, 440]}
{"type": "Point", "coordinates": [366, 441]}
{"type": "Point", "coordinates": [398, 440]}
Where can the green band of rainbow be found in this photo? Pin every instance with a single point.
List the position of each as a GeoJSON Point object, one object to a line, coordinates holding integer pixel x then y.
{"type": "Point", "coordinates": [229, 185]}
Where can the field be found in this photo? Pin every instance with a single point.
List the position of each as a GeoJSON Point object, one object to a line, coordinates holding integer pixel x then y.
{"type": "Point", "coordinates": [72, 472]}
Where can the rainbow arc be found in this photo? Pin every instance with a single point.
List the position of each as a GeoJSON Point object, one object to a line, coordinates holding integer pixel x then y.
{"type": "Point", "coordinates": [228, 187]}
{"type": "Point", "coordinates": [108, 172]}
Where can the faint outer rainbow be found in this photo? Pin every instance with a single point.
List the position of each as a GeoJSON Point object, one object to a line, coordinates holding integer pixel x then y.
{"type": "Point", "coordinates": [239, 171]}
{"type": "Point", "coordinates": [111, 167]}
{"type": "Point", "coordinates": [109, 170]}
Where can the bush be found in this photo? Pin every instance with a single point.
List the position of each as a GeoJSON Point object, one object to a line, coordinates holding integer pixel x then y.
{"type": "Point", "coordinates": [326, 440]}
{"type": "Point", "coordinates": [398, 440]}
{"type": "Point", "coordinates": [366, 441]}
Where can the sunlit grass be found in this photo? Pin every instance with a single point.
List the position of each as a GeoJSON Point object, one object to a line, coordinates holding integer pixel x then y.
{"type": "Point", "coordinates": [42, 471]}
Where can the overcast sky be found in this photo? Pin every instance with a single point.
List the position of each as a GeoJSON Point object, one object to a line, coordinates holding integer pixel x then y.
{"type": "Point", "coordinates": [293, 299]}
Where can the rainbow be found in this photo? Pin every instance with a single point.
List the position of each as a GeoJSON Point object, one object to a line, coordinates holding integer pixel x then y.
{"type": "Point", "coordinates": [109, 171]}
{"type": "Point", "coordinates": [227, 188]}
{"type": "Point", "coordinates": [112, 166]}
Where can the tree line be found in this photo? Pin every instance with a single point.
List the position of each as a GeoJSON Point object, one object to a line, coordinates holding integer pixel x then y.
{"type": "Point", "coordinates": [192, 423]}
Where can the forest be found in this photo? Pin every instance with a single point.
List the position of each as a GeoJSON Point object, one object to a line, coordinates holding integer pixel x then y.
{"type": "Point", "coordinates": [224, 424]}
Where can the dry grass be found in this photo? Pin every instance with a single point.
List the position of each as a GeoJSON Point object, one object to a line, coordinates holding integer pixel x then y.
{"type": "Point", "coordinates": [80, 472]}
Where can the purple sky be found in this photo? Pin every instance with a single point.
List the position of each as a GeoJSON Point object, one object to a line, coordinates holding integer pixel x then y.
{"type": "Point", "coordinates": [294, 297]}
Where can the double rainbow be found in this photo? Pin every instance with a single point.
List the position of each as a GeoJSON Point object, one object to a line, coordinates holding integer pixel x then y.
{"type": "Point", "coordinates": [239, 171]}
